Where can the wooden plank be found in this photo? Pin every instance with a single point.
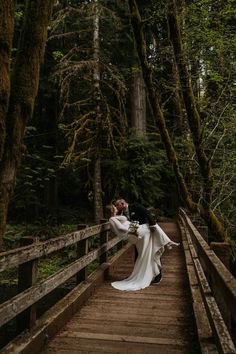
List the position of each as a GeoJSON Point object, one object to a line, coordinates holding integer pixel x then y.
{"type": "Point", "coordinates": [161, 303]}
{"type": "Point", "coordinates": [165, 319]}
{"type": "Point", "coordinates": [81, 345]}
{"type": "Point", "coordinates": [145, 298]}
{"type": "Point", "coordinates": [131, 328]}
{"type": "Point", "coordinates": [124, 338]}
{"type": "Point", "coordinates": [139, 312]}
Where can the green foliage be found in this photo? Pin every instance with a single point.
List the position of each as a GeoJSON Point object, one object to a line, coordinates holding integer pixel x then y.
{"type": "Point", "coordinates": [57, 55]}
{"type": "Point", "coordinates": [41, 230]}
{"type": "Point", "coordinates": [13, 235]}
{"type": "Point", "coordinates": [9, 277]}
{"type": "Point", "coordinates": [49, 266]}
{"type": "Point", "coordinates": [66, 120]}
{"type": "Point", "coordinates": [141, 174]}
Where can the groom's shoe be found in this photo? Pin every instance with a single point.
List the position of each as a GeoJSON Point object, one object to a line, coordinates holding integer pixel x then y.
{"type": "Point", "coordinates": [157, 279]}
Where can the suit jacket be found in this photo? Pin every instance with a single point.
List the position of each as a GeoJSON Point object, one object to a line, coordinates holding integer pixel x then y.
{"type": "Point", "coordinates": [138, 213]}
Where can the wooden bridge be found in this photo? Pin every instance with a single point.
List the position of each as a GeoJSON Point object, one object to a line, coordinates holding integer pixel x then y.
{"type": "Point", "coordinates": [193, 309]}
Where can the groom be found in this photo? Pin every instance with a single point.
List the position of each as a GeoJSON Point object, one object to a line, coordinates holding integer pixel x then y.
{"type": "Point", "coordinates": [137, 212]}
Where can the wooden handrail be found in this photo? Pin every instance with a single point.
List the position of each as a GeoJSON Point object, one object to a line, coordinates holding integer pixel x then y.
{"type": "Point", "coordinates": [24, 255]}
{"type": "Point", "coordinates": [222, 282]}
{"type": "Point", "coordinates": [21, 255]}
{"type": "Point", "coordinates": [14, 306]}
{"type": "Point", "coordinates": [217, 285]}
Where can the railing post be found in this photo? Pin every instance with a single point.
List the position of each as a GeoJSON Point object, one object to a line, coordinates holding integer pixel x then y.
{"type": "Point", "coordinates": [103, 239]}
{"type": "Point", "coordinates": [82, 250]}
{"type": "Point", "coordinates": [27, 276]}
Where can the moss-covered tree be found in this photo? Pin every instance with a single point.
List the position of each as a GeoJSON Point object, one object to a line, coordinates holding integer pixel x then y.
{"type": "Point", "coordinates": [203, 208]}
{"type": "Point", "coordinates": [6, 35]}
{"type": "Point", "coordinates": [21, 91]}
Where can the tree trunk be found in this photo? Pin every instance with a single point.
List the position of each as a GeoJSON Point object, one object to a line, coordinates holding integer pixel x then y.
{"type": "Point", "coordinates": [24, 89]}
{"type": "Point", "coordinates": [6, 36]}
{"type": "Point", "coordinates": [154, 103]}
{"type": "Point", "coordinates": [98, 206]}
{"type": "Point", "coordinates": [139, 103]}
{"type": "Point", "coordinates": [194, 119]}
{"type": "Point", "coordinates": [204, 210]}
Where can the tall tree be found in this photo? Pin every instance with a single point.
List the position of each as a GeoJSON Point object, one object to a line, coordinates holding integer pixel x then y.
{"type": "Point", "coordinates": [6, 36]}
{"type": "Point", "coordinates": [92, 92]}
{"type": "Point", "coordinates": [97, 180]}
{"type": "Point", "coordinates": [215, 223]}
{"type": "Point", "coordinates": [139, 123]}
{"type": "Point", "coordinates": [22, 92]}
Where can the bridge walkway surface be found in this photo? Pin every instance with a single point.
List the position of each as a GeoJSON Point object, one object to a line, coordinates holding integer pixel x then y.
{"type": "Point", "coordinates": [158, 319]}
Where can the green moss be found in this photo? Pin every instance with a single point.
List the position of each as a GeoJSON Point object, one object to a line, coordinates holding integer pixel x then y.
{"type": "Point", "coordinates": [49, 266]}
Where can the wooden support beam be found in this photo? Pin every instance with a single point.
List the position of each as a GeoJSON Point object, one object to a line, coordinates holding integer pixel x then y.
{"type": "Point", "coordinates": [103, 240]}
{"type": "Point", "coordinates": [27, 276]}
{"type": "Point", "coordinates": [82, 250]}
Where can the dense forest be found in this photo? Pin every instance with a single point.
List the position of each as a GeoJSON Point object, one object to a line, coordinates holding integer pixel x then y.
{"type": "Point", "coordinates": [101, 99]}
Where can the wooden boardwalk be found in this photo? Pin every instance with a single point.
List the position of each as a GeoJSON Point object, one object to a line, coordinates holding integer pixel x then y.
{"type": "Point", "coordinates": [158, 319]}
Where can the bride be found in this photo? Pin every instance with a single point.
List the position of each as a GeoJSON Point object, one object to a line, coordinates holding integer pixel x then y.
{"type": "Point", "coordinates": [150, 244]}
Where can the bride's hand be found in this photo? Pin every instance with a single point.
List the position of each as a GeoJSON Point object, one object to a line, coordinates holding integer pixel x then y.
{"type": "Point", "coordinates": [113, 210]}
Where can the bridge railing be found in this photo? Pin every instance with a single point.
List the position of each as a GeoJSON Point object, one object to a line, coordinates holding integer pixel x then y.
{"type": "Point", "coordinates": [25, 258]}
{"type": "Point", "coordinates": [217, 285]}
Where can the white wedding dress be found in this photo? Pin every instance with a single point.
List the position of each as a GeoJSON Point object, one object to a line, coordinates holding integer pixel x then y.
{"type": "Point", "coordinates": [150, 247]}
